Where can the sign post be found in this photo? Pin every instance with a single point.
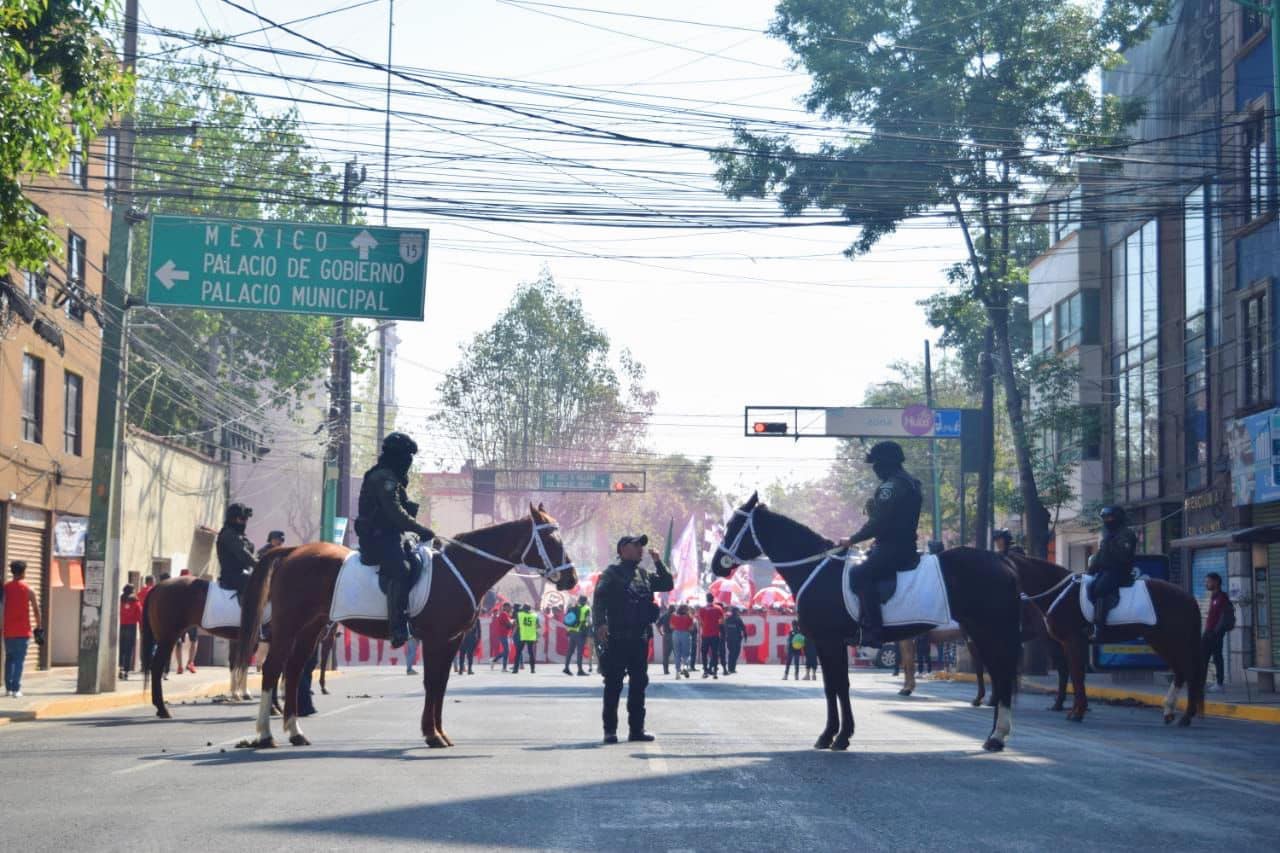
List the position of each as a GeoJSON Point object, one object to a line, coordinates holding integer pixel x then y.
{"type": "Point", "coordinates": [287, 267]}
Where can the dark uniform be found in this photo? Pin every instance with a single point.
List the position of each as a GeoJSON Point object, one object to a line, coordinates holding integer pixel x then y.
{"type": "Point", "coordinates": [235, 551]}
{"type": "Point", "coordinates": [894, 514]}
{"type": "Point", "coordinates": [385, 515]}
{"type": "Point", "coordinates": [1002, 543]}
{"type": "Point", "coordinates": [1112, 565]}
{"type": "Point", "coordinates": [624, 603]}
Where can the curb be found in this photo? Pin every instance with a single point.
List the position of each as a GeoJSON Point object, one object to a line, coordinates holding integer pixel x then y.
{"type": "Point", "coordinates": [74, 705]}
{"type": "Point", "coordinates": [1229, 710]}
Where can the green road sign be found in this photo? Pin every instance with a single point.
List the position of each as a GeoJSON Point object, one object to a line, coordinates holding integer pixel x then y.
{"type": "Point", "coordinates": [575, 481]}
{"type": "Point", "coordinates": [292, 267]}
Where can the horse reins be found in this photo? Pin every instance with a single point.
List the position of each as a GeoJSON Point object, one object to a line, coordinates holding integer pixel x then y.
{"type": "Point", "coordinates": [547, 572]}
{"type": "Point", "coordinates": [731, 553]}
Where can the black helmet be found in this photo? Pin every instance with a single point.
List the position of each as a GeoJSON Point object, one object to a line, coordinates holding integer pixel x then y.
{"type": "Point", "coordinates": [886, 451]}
{"type": "Point", "coordinates": [1112, 514]}
{"type": "Point", "coordinates": [1002, 533]}
{"type": "Point", "coordinates": [399, 443]}
{"type": "Point", "coordinates": [238, 511]}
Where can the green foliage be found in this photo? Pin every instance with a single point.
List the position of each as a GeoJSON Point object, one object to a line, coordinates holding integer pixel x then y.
{"type": "Point", "coordinates": [678, 488]}
{"type": "Point", "coordinates": [1060, 427]}
{"type": "Point", "coordinates": [241, 162]}
{"type": "Point", "coordinates": [540, 389]}
{"type": "Point", "coordinates": [60, 82]}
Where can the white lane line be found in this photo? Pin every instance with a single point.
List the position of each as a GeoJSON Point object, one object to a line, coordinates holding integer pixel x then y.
{"type": "Point", "coordinates": [168, 759]}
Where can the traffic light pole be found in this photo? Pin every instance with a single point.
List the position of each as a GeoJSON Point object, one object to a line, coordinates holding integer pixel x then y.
{"type": "Point", "coordinates": [99, 620]}
{"type": "Point", "coordinates": [933, 448]}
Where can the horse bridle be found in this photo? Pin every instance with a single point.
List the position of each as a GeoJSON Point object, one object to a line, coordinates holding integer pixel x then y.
{"type": "Point", "coordinates": [731, 557]}
{"type": "Point", "coordinates": [547, 571]}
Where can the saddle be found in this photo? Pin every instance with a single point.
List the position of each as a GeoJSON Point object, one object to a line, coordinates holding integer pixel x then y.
{"type": "Point", "coordinates": [1131, 605]}
{"type": "Point", "coordinates": [916, 596]}
{"type": "Point", "coordinates": [886, 587]}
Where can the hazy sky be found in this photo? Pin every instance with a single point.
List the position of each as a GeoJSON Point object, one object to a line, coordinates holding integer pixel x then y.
{"type": "Point", "coordinates": [720, 317]}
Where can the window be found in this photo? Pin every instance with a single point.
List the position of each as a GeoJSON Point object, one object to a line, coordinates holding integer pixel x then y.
{"type": "Point", "coordinates": [1042, 332]}
{"type": "Point", "coordinates": [1253, 21]}
{"type": "Point", "coordinates": [78, 169]}
{"type": "Point", "coordinates": [72, 413]}
{"type": "Point", "coordinates": [1257, 165]}
{"type": "Point", "coordinates": [32, 399]}
{"type": "Point", "coordinates": [75, 276]}
{"type": "Point", "coordinates": [1197, 277]}
{"type": "Point", "coordinates": [35, 285]}
{"type": "Point", "coordinates": [1070, 319]}
{"type": "Point", "coordinates": [1066, 215]}
{"type": "Point", "coordinates": [1254, 341]}
{"type": "Point", "coordinates": [1135, 365]}
{"type": "Point", "coordinates": [111, 155]}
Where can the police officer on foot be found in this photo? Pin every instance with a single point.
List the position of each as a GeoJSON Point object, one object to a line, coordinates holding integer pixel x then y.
{"type": "Point", "coordinates": [385, 515]}
{"type": "Point", "coordinates": [624, 612]}
{"type": "Point", "coordinates": [894, 514]}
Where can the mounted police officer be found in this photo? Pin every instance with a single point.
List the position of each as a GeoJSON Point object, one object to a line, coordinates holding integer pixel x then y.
{"type": "Point", "coordinates": [1003, 544]}
{"type": "Point", "coordinates": [385, 515]}
{"type": "Point", "coordinates": [624, 612]}
{"type": "Point", "coordinates": [893, 515]}
{"type": "Point", "coordinates": [235, 551]}
{"type": "Point", "coordinates": [1112, 565]}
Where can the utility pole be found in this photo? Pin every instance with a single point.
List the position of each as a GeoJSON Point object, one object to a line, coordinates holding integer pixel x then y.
{"type": "Point", "coordinates": [99, 618]}
{"type": "Point", "coordinates": [386, 196]}
{"type": "Point", "coordinates": [336, 497]}
{"type": "Point", "coordinates": [986, 474]}
{"type": "Point", "coordinates": [933, 448]}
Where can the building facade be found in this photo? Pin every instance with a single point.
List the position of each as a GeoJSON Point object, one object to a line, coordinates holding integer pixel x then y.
{"type": "Point", "coordinates": [50, 347]}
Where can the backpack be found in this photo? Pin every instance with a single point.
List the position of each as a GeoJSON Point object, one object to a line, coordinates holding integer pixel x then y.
{"type": "Point", "coordinates": [1228, 617]}
{"type": "Point", "coordinates": [797, 640]}
{"type": "Point", "coordinates": [571, 618]}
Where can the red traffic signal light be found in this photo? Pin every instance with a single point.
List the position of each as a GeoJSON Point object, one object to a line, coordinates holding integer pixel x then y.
{"type": "Point", "coordinates": [769, 428]}
{"type": "Point", "coordinates": [625, 487]}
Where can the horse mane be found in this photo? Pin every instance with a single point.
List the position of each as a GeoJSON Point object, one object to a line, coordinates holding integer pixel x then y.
{"type": "Point", "coordinates": [796, 529]}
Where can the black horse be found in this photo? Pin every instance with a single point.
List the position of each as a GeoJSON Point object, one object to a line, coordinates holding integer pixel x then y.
{"type": "Point", "coordinates": [981, 589]}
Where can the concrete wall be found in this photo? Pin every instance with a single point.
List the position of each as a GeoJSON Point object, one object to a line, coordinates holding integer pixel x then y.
{"type": "Point", "coordinates": [173, 505]}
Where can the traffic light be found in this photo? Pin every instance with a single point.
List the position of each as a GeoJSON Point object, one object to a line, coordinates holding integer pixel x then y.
{"type": "Point", "coordinates": [769, 428]}
{"type": "Point", "coordinates": [625, 487]}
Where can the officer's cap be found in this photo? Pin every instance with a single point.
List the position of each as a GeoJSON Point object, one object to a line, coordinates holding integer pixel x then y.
{"type": "Point", "coordinates": [640, 540]}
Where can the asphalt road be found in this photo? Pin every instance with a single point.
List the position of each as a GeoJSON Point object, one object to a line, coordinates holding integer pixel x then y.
{"type": "Point", "coordinates": [732, 770]}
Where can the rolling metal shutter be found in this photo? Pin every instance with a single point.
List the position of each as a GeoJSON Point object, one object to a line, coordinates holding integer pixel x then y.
{"type": "Point", "coordinates": [25, 541]}
{"type": "Point", "coordinates": [1270, 514]}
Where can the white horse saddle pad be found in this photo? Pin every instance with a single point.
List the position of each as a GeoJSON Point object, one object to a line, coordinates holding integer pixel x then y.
{"type": "Point", "coordinates": [358, 596]}
{"type": "Point", "coordinates": [222, 608]}
{"type": "Point", "coordinates": [1135, 607]}
{"type": "Point", "coordinates": [920, 599]}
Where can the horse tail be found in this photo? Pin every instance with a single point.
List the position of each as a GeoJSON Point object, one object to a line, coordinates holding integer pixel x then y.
{"type": "Point", "coordinates": [252, 601]}
{"type": "Point", "coordinates": [147, 651]}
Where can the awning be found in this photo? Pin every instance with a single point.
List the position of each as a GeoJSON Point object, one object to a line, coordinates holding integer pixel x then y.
{"type": "Point", "coordinates": [1265, 534]}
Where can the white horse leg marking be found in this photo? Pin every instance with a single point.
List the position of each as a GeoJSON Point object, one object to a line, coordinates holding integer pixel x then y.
{"type": "Point", "coordinates": [1171, 699]}
{"type": "Point", "coordinates": [1004, 722]}
{"type": "Point", "coordinates": [264, 716]}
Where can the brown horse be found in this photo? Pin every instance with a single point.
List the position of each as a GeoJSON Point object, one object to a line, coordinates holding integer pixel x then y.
{"type": "Point", "coordinates": [1033, 628]}
{"type": "Point", "coordinates": [1175, 636]}
{"type": "Point", "coordinates": [301, 587]}
{"type": "Point", "coordinates": [172, 607]}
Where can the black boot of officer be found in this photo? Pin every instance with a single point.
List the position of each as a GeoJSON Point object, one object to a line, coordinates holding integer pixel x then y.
{"type": "Point", "coordinates": [1112, 565]}
{"type": "Point", "coordinates": [385, 515]}
{"type": "Point", "coordinates": [893, 515]}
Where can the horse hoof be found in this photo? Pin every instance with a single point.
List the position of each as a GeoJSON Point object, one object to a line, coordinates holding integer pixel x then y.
{"type": "Point", "coordinates": [993, 745]}
{"type": "Point", "coordinates": [840, 744]}
{"type": "Point", "coordinates": [1183, 722]}
{"type": "Point", "coordinates": [977, 703]}
{"type": "Point", "coordinates": [324, 691]}
{"type": "Point", "coordinates": [906, 691]}
{"type": "Point", "coordinates": [1168, 718]}
{"type": "Point", "coordinates": [436, 743]}
{"type": "Point", "coordinates": [299, 740]}
{"type": "Point", "coordinates": [163, 713]}
{"type": "Point", "coordinates": [257, 743]}
{"type": "Point", "coordinates": [823, 742]}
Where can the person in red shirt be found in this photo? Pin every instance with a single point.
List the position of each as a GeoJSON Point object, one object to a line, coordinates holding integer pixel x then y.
{"type": "Point", "coordinates": [130, 618]}
{"type": "Point", "coordinates": [710, 618]}
{"type": "Point", "coordinates": [682, 637]}
{"type": "Point", "coordinates": [21, 624]}
{"type": "Point", "coordinates": [502, 626]}
{"type": "Point", "coordinates": [1217, 622]}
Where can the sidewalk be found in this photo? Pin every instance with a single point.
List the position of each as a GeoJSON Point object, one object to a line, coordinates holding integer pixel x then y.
{"type": "Point", "coordinates": [52, 693]}
{"type": "Point", "coordinates": [1233, 702]}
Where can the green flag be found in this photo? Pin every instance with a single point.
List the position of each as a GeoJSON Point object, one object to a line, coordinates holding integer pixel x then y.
{"type": "Point", "coordinates": [671, 533]}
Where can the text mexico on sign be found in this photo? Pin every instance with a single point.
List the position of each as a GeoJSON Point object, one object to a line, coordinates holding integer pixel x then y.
{"type": "Point", "coordinates": [291, 267]}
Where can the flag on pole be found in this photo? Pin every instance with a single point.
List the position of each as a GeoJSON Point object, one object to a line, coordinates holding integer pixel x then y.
{"type": "Point", "coordinates": [684, 564]}
{"type": "Point", "coordinates": [666, 551]}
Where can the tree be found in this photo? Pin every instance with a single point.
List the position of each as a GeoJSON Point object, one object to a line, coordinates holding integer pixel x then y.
{"type": "Point", "coordinates": [239, 162]}
{"type": "Point", "coordinates": [952, 108]}
{"type": "Point", "coordinates": [678, 488]}
{"type": "Point", "coordinates": [60, 83]}
{"type": "Point", "coordinates": [540, 389]}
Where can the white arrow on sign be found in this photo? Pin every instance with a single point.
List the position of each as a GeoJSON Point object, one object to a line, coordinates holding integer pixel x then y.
{"type": "Point", "coordinates": [169, 274]}
{"type": "Point", "coordinates": [364, 242]}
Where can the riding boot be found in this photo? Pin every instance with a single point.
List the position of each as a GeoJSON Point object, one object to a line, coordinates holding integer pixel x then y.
{"type": "Point", "coordinates": [397, 624]}
{"type": "Point", "coordinates": [872, 620]}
